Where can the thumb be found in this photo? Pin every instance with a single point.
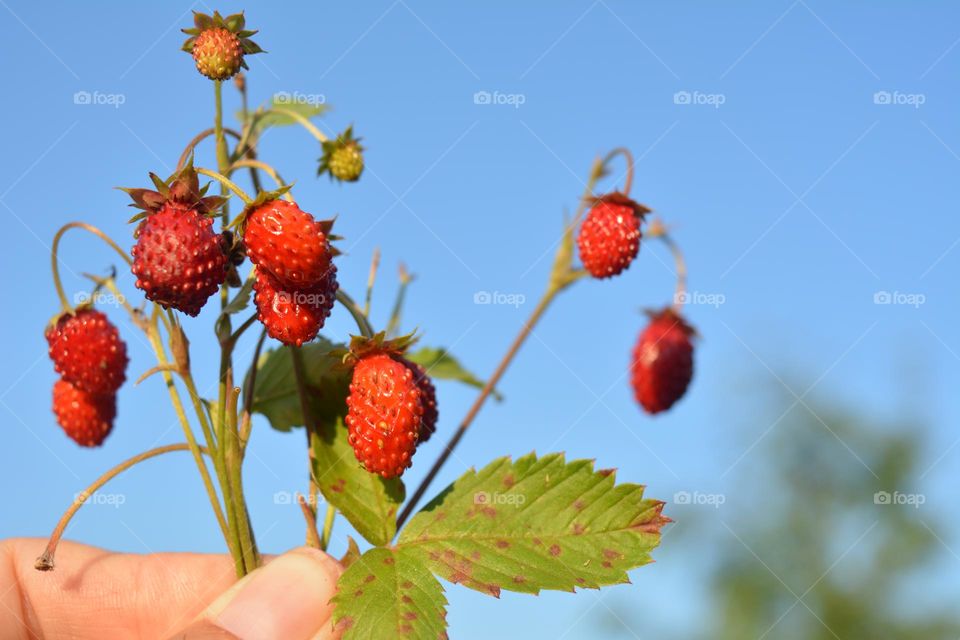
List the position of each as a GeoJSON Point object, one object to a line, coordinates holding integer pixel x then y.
{"type": "Point", "coordinates": [288, 598]}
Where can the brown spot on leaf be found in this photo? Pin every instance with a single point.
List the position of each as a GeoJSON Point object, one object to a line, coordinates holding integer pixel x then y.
{"type": "Point", "coordinates": [488, 511]}
{"type": "Point", "coordinates": [578, 529]}
{"type": "Point", "coordinates": [405, 629]}
{"type": "Point", "coordinates": [406, 599]}
{"type": "Point", "coordinates": [508, 480]}
{"type": "Point", "coordinates": [537, 542]}
{"type": "Point", "coordinates": [434, 555]}
{"type": "Point", "coordinates": [346, 622]}
{"type": "Point", "coordinates": [370, 578]}
{"type": "Point", "coordinates": [606, 472]}
{"type": "Point", "coordinates": [409, 615]}
{"type": "Point", "coordinates": [519, 579]}
{"type": "Point", "coordinates": [554, 550]}
{"type": "Point", "coordinates": [389, 560]}
{"type": "Point", "coordinates": [579, 505]}
{"type": "Point", "coordinates": [607, 564]}
{"type": "Point", "coordinates": [502, 544]}
{"type": "Point", "coordinates": [339, 485]}
{"type": "Point", "coordinates": [610, 554]}
{"type": "Point", "coordinates": [493, 590]}
{"type": "Point", "coordinates": [581, 581]}
{"type": "Point", "coordinates": [406, 584]}
{"type": "Point", "coordinates": [458, 576]}
{"type": "Point", "coordinates": [358, 593]}
{"type": "Point", "coordinates": [448, 554]}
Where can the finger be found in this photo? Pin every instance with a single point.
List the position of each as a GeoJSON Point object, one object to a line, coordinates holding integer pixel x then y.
{"type": "Point", "coordinates": [96, 594]}
{"type": "Point", "coordinates": [288, 598]}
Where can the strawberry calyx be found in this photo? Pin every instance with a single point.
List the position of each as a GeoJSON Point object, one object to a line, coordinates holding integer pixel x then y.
{"type": "Point", "coordinates": [620, 199]}
{"type": "Point", "coordinates": [361, 347]}
{"type": "Point", "coordinates": [183, 188]}
{"type": "Point", "coordinates": [234, 23]}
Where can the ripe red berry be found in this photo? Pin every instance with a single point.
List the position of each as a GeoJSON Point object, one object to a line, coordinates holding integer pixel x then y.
{"type": "Point", "coordinates": [428, 400]}
{"type": "Point", "coordinates": [384, 412]}
{"type": "Point", "coordinates": [179, 260]}
{"type": "Point", "coordinates": [87, 351]}
{"type": "Point", "coordinates": [288, 242]}
{"type": "Point", "coordinates": [85, 417]}
{"type": "Point", "coordinates": [294, 316]}
{"type": "Point", "coordinates": [662, 363]}
{"type": "Point", "coordinates": [609, 237]}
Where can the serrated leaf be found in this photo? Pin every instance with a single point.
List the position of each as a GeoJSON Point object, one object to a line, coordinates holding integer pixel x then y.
{"type": "Point", "coordinates": [536, 523]}
{"type": "Point", "coordinates": [388, 594]}
{"type": "Point", "coordinates": [442, 366]}
{"type": "Point", "coordinates": [241, 299]}
{"type": "Point", "coordinates": [367, 500]}
{"type": "Point", "coordinates": [276, 395]}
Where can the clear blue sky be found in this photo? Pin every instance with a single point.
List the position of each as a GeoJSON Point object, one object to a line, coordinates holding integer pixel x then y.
{"type": "Point", "coordinates": [797, 192]}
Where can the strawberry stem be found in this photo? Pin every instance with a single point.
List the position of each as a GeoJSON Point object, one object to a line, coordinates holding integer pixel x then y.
{"type": "Point", "coordinates": [226, 182]}
{"type": "Point", "coordinates": [301, 120]}
{"type": "Point", "coordinates": [267, 169]}
{"type": "Point", "coordinates": [628, 181]}
{"type": "Point", "coordinates": [46, 560]}
{"type": "Point", "coordinates": [362, 322]}
{"type": "Point", "coordinates": [55, 256]}
{"type": "Point", "coordinates": [200, 137]}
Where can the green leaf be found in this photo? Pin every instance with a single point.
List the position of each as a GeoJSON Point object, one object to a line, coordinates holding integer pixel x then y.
{"type": "Point", "coordinates": [241, 299]}
{"type": "Point", "coordinates": [442, 366]}
{"type": "Point", "coordinates": [367, 500]}
{"type": "Point", "coordinates": [388, 594]}
{"type": "Point", "coordinates": [276, 396]}
{"type": "Point", "coordinates": [288, 102]}
{"type": "Point", "coordinates": [536, 523]}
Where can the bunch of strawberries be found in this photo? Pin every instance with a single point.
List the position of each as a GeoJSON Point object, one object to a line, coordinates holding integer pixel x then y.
{"type": "Point", "coordinates": [180, 260]}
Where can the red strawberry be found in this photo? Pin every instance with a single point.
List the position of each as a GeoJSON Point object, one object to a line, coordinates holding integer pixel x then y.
{"type": "Point", "coordinates": [178, 259]}
{"type": "Point", "coordinates": [87, 351]}
{"type": "Point", "coordinates": [288, 242]}
{"type": "Point", "coordinates": [294, 316]}
{"type": "Point", "coordinates": [428, 400]}
{"type": "Point", "coordinates": [383, 414]}
{"type": "Point", "coordinates": [662, 361]}
{"type": "Point", "coordinates": [609, 237]}
{"type": "Point", "coordinates": [86, 418]}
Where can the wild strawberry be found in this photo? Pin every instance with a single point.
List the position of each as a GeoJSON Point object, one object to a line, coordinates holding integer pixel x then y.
{"type": "Point", "coordinates": [428, 399]}
{"type": "Point", "coordinates": [662, 361]}
{"type": "Point", "coordinates": [87, 351]}
{"type": "Point", "coordinates": [342, 157]}
{"type": "Point", "coordinates": [609, 237]}
{"type": "Point", "coordinates": [85, 417]}
{"type": "Point", "coordinates": [294, 316]}
{"type": "Point", "coordinates": [384, 413]}
{"type": "Point", "coordinates": [288, 242]}
{"type": "Point", "coordinates": [218, 44]}
{"type": "Point", "coordinates": [179, 260]}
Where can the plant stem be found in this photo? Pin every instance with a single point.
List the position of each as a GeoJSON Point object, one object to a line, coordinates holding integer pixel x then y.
{"type": "Point", "coordinates": [234, 464]}
{"type": "Point", "coordinates": [304, 122]}
{"type": "Point", "coordinates": [299, 372]}
{"type": "Point", "coordinates": [226, 182]}
{"type": "Point", "coordinates": [55, 255]}
{"type": "Point", "coordinates": [371, 279]}
{"type": "Point", "coordinates": [200, 137]}
{"type": "Point", "coordinates": [45, 561]}
{"type": "Point", "coordinates": [478, 403]}
{"type": "Point", "coordinates": [362, 323]}
{"type": "Point", "coordinates": [266, 168]}
{"type": "Point", "coordinates": [328, 520]}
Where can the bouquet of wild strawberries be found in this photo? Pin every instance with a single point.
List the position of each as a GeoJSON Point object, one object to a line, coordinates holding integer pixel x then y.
{"type": "Point", "coordinates": [366, 402]}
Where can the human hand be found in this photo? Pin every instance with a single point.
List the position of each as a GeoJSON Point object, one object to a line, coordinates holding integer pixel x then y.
{"type": "Point", "coordinates": [101, 595]}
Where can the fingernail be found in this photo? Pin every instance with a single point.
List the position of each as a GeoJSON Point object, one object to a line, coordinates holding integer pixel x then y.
{"type": "Point", "coordinates": [288, 598]}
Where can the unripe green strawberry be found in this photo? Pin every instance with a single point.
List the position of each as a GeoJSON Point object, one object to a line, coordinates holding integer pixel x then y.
{"type": "Point", "coordinates": [343, 157]}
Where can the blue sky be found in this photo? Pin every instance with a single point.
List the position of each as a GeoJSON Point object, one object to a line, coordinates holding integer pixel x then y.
{"type": "Point", "coordinates": [805, 151]}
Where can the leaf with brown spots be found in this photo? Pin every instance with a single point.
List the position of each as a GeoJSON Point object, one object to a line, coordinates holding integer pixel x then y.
{"type": "Point", "coordinates": [533, 524]}
{"type": "Point", "coordinates": [389, 594]}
